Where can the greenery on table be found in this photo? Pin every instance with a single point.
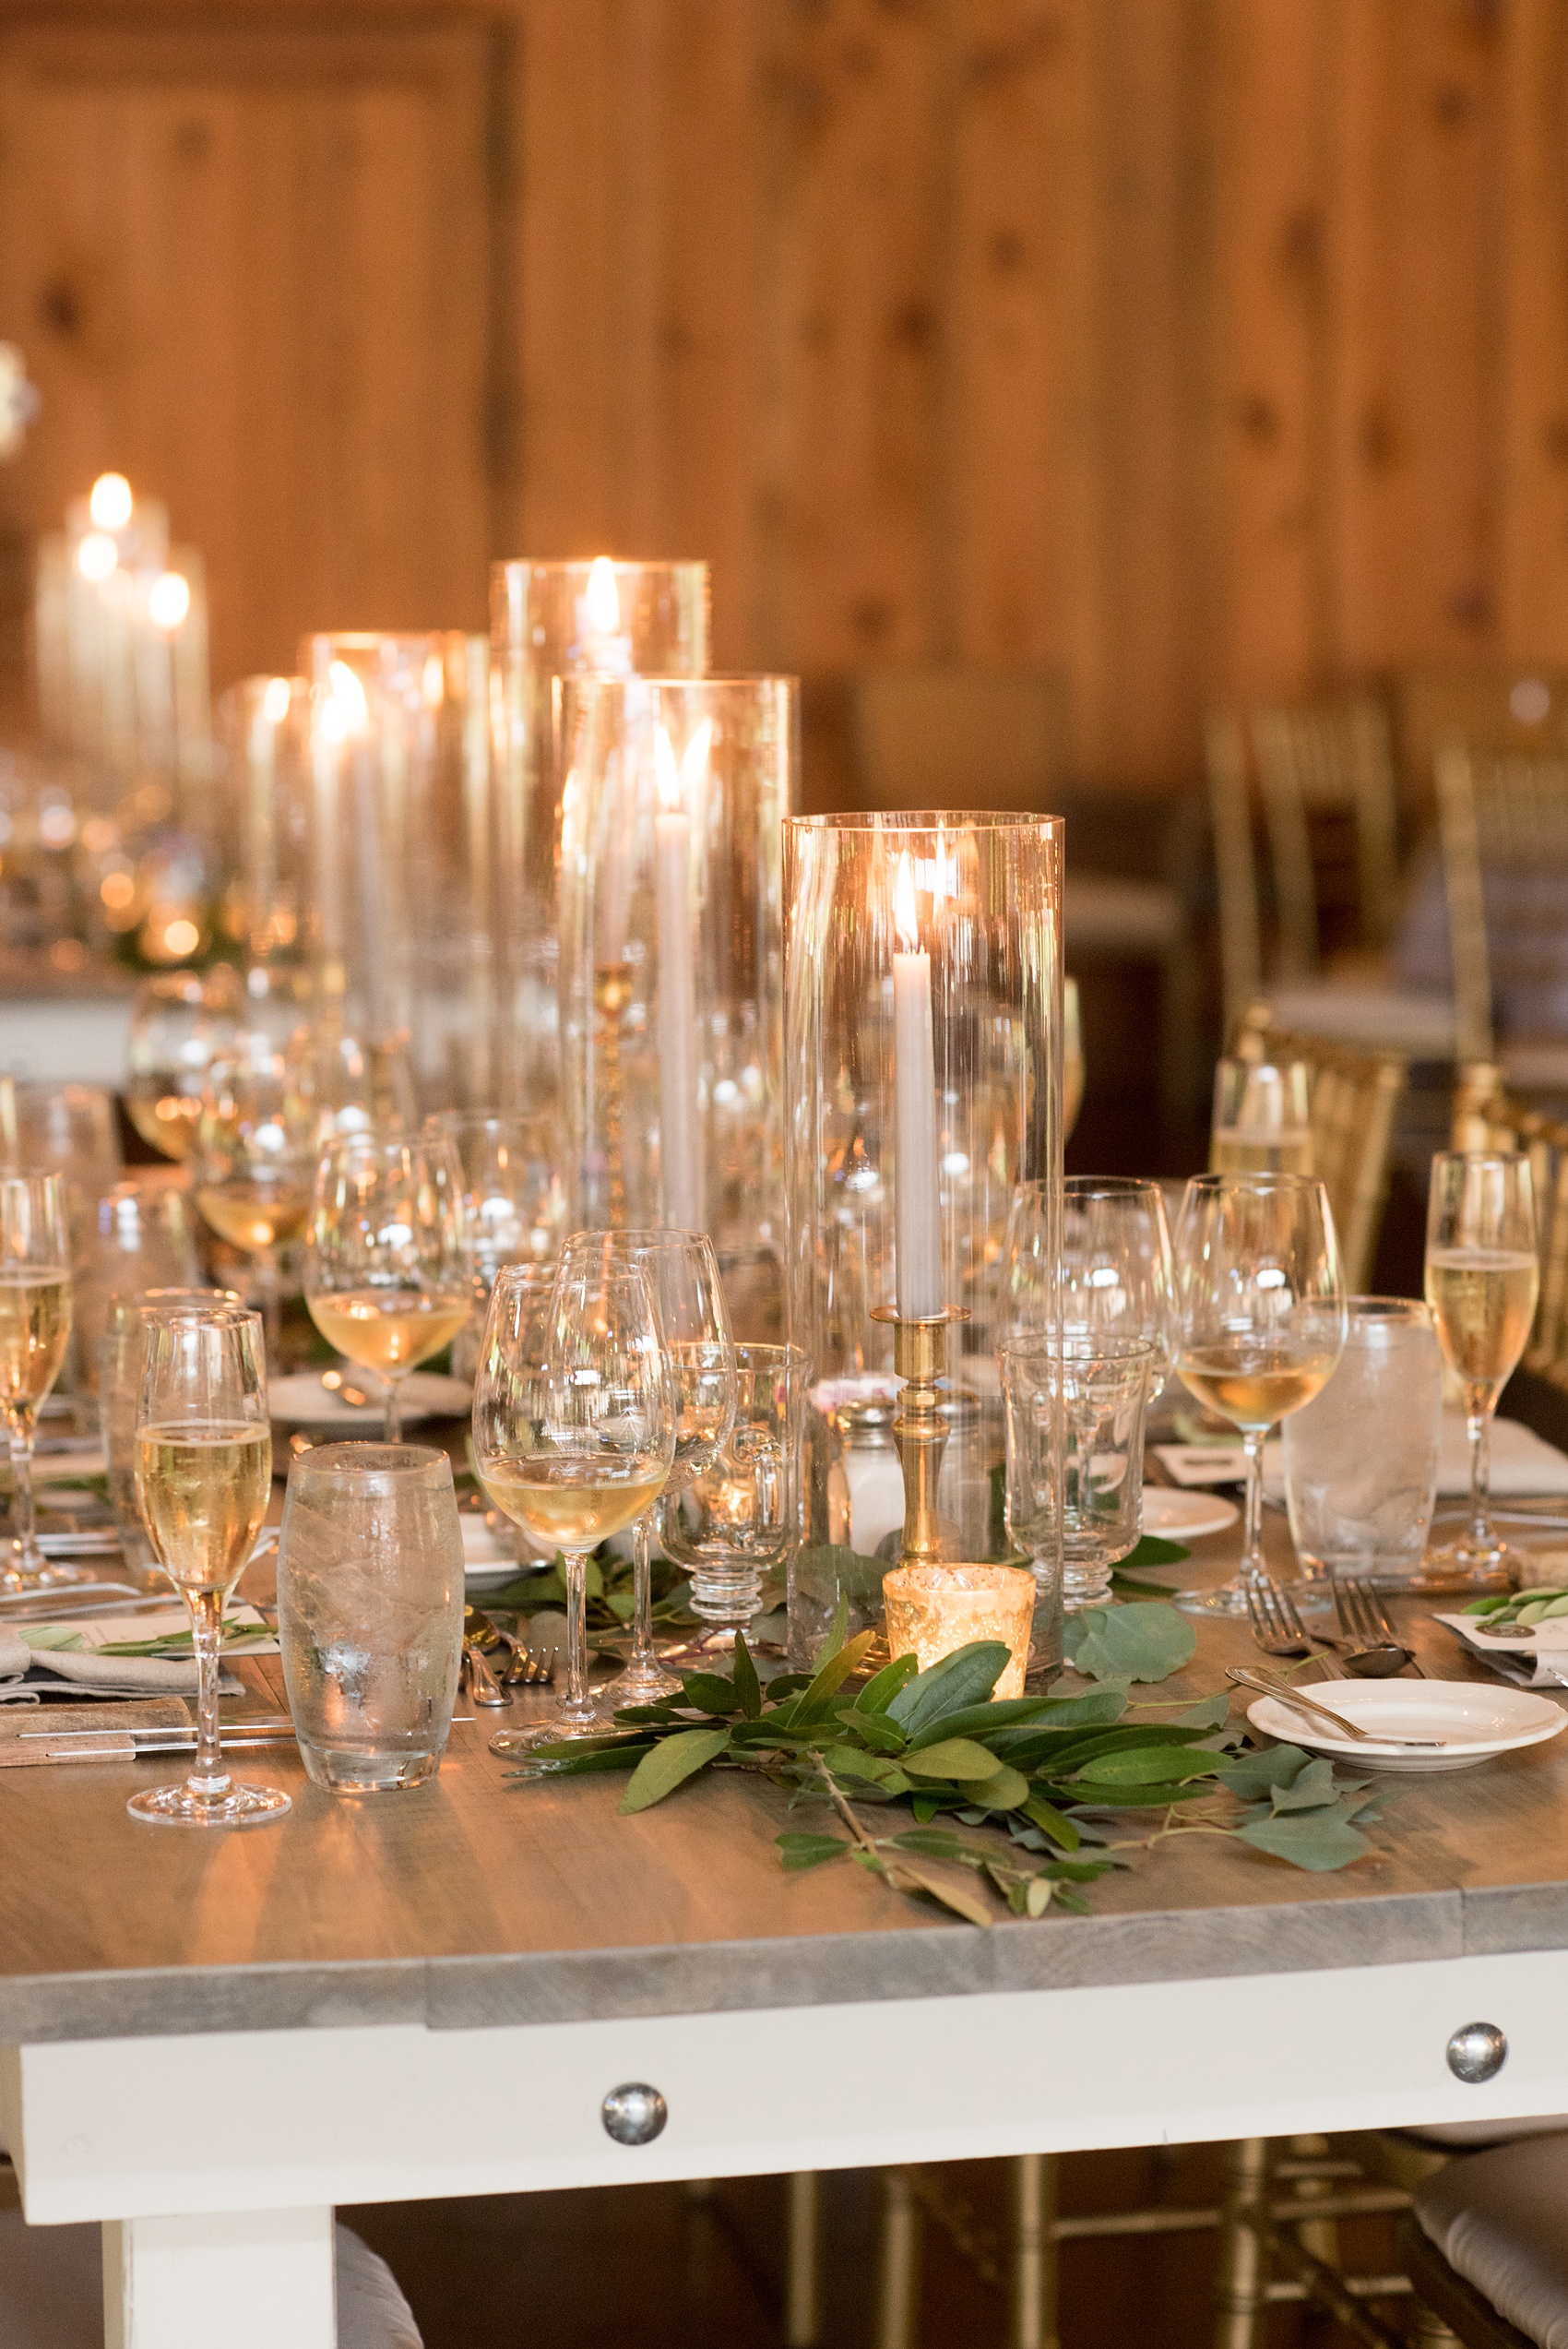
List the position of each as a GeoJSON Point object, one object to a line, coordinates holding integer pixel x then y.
{"type": "Point", "coordinates": [1017, 1800]}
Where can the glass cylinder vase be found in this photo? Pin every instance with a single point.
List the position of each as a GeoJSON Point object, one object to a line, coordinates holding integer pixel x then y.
{"type": "Point", "coordinates": [672, 964]}
{"type": "Point", "coordinates": [922, 1060]}
{"type": "Point", "coordinates": [549, 622]}
{"type": "Point", "coordinates": [405, 896]}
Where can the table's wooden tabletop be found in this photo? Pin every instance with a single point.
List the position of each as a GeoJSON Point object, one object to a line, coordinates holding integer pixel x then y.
{"type": "Point", "coordinates": [477, 1901]}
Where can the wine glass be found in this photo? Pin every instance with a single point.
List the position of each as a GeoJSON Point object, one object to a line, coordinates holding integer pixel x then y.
{"type": "Point", "coordinates": [1116, 1279]}
{"type": "Point", "coordinates": [574, 1432]}
{"type": "Point", "coordinates": [203, 1478]}
{"type": "Point", "coordinates": [1482, 1276]}
{"type": "Point", "coordinates": [683, 1273]}
{"type": "Point", "coordinates": [255, 1152]}
{"type": "Point", "coordinates": [1262, 1118]}
{"type": "Point", "coordinates": [387, 1276]}
{"type": "Point", "coordinates": [179, 1020]}
{"type": "Point", "coordinates": [1259, 1322]}
{"type": "Point", "coordinates": [35, 1328]}
{"type": "Point", "coordinates": [514, 1198]}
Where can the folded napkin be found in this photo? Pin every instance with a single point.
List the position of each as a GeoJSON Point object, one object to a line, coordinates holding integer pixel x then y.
{"type": "Point", "coordinates": [34, 1662]}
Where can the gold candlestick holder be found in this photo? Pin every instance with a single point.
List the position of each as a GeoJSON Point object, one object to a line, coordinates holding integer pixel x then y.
{"type": "Point", "coordinates": [920, 1357]}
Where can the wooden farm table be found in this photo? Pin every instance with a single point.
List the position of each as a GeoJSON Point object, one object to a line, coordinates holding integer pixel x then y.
{"type": "Point", "coordinates": [210, 2040]}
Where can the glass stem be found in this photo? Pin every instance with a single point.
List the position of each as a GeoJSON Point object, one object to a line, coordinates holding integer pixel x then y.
{"type": "Point", "coordinates": [1254, 1564]}
{"type": "Point", "coordinates": [208, 1779]}
{"type": "Point", "coordinates": [269, 1282]}
{"type": "Point", "coordinates": [21, 1427]}
{"type": "Point", "coordinates": [576, 1712]}
{"type": "Point", "coordinates": [392, 1430]}
{"type": "Point", "coordinates": [1479, 1421]}
{"type": "Point", "coordinates": [643, 1657]}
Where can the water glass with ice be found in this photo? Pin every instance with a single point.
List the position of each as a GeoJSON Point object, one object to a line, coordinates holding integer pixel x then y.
{"type": "Point", "coordinates": [370, 1608]}
{"type": "Point", "coordinates": [1361, 1459]}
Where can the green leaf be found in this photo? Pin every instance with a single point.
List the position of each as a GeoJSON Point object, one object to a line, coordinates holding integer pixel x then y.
{"type": "Point", "coordinates": [672, 1760]}
{"type": "Point", "coordinates": [814, 1704]}
{"type": "Point", "coordinates": [959, 1758]}
{"type": "Point", "coordinates": [881, 1689]}
{"type": "Point", "coordinates": [837, 1632]}
{"type": "Point", "coordinates": [1209, 1712]}
{"type": "Point", "coordinates": [1008, 1790]}
{"type": "Point", "coordinates": [748, 1688]}
{"type": "Point", "coordinates": [1053, 1823]}
{"type": "Point", "coordinates": [1250, 1776]}
{"type": "Point", "coordinates": [874, 1729]}
{"type": "Point", "coordinates": [810, 1850]}
{"type": "Point", "coordinates": [1007, 1713]}
{"type": "Point", "coordinates": [941, 1844]}
{"type": "Point", "coordinates": [961, 1679]}
{"type": "Point", "coordinates": [1312, 1789]}
{"type": "Point", "coordinates": [1153, 1549]}
{"type": "Point", "coordinates": [1146, 1640]}
{"type": "Point", "coordinates": [1145, 1766]}
{"type": "Point", "coordinates": [952, 1891]}
{"type": "Point", "coordinates": [709, 1693]}
{"type": "Point", "coordinates": [1320, 1841]}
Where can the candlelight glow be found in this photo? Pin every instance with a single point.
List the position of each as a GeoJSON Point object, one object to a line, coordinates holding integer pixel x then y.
{"type": "Point", "coordinates": [96, 556]}
{"type": "Point", "coordinates": [667, 774]}
{"type": "Point", "coordinates": [168, 600]}
{"type": "Point", "coordinates": [348, 712]}
{"type": "Point", "coordinates": [110, 502]}
{"type": "Point", "coordinates": [694, 762]}
{"type": "Point", "coordinates": [904, 907]}
{"type": "Point", "coordinates": [603, 599]}
{"type": "Point", "coordinates": [275, 700]}
{"type": "Point", "coordinates": [434, 682]}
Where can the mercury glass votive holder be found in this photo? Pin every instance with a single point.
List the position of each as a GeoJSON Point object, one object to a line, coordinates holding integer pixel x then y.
{"type": "Point", "coordinates": [923, 1033]}
{"type": "Point", "coordinates": [933, 1610]}
{"type": "Point", "coordinates": [549, 622]}
{"type": "Point", "coordinates": [672, 964]}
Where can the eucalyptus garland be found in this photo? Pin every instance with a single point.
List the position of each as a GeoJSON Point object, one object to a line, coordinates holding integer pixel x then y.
{"type": "Point", "coordinates": [1015, 1801]}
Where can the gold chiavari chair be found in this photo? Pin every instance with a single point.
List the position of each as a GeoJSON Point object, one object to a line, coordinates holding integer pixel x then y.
{"type": "Point", "coordinates": [1326, 759]}
{"type": "Point", "coordinates": [1503, 817]}
{"type": "Point", "coordinates": [1355, 1097]}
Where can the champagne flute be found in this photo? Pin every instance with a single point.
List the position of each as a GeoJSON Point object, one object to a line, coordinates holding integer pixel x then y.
{"type": "Point", "coordinates": [179, 1020]}
{"type": "Point", "coordinates": [387, 1275]}
{"type": "Point", "coordinates": [683, 1273]}
{"type": "Point", "coordinates": [1259, 1322]}
{"type": "Point", "coordinates": [574, 1432]}
{"type": "Point", "coordinates": [255, 1150]}
{"type": "Point", "coordinates": [203, 1478]}
{"type": "Point", "coordinates": [35, 1328]}
{"type": "Point", "coordinates": [1482, 1277]}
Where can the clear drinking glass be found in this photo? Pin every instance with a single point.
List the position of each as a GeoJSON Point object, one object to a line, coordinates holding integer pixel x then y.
{"type": "Point", "coordinates": [1482, 1279]}
{"type": "Point", "coordinates": [694, 1322]}
{"type": "Point", "coordinates": [1088, 1394]}
{"type": "Point", "coordinates": [264, 727]}
{"type": "Point", "coordinates": [203, 1478]}
{"type": "Point", "coordinates": [1112, 1276]}
{"type": "Point", "coordinates": [255, 1141]}
{"type": "Point", "coordinates": [178, 1022]}
{"type": "Point", "coordinates": [387, 1275]}
{"type": "Point", "coordinates": [513, 1199]}
{"type": "Point", "coordinates": [119, 1402]}
{"type": "Point", "coordinates": [573, 1433]}
{"type": "Point", "coordinates": [1262, 1118]}
{"type": "Point", "coordinates": [369, 1612]}
{"type": "Point", "coordinates": [1260, 1322]}
{"type": "Point", "coordinates": [144, 1237]}
{"type": "Point", "coordinates": [35, 1328]}
{"type": "Point", "coordinates": [71, 1129]}
{"type": "Point", "coordinates": [738, 1518]}
{"type": "Point", "coordinates": [1361, 1457]}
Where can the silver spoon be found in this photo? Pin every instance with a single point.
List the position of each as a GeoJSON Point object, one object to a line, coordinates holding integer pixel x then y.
{"type": "Point", "coordinates": [1381, 1661]}
{"type": "Point", "coordinates": [1267, 1687]}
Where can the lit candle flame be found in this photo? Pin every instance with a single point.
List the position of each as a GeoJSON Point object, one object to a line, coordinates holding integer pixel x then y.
{"type": "Point", "coordinates": [904, 907]}
{"type": "Point", "coordinates": [694, 762]}
{"type": "Point", "coordinates": [666, 772]}
{"type": "Point", "coordinates": [110, 502]}
{"type": "Point", "coordinates": [96, 556]}
{"type": "Point", "coordinates": [168, 600]}
{"type": "Point", "coordinates": [347, 705]}
{"type": "Point", "coordinates": [276, 699]}
{"type": "Point", "coordinates": [602, 600]}
{"type": "Point", "coordinates": [433, 684]}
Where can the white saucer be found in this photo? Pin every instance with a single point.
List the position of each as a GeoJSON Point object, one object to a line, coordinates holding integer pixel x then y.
{"type": "Point", "coordinates": [1473, 1721]}
{"type": "Point", "coordinates": [300, 1401]}
{"type": "Point", "coordinates": [1185, 1517]}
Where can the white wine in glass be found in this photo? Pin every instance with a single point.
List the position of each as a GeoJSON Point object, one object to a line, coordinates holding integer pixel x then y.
{"type": "Point", "coordinates": [203, 1493]}
{"type": "Point", "coordinates": [391, 1330]}
{"type": "Point", "coordinates": [255, 1212]}
{"type": "Point", "coordinates": [572, 1503]}
{"type": "Point", "coordinates": [35, 1326]}
{"type": "Point", "coordinates": [1259, 1323]}
{"type": "Point", "coordinates": [1482, 1279]}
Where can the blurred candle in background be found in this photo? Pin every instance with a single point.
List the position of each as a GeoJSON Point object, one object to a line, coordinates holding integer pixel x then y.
{"type": "Point", "coordinates": [917, 1214]}
{"type": "Point", "coordinates": [679, 788]}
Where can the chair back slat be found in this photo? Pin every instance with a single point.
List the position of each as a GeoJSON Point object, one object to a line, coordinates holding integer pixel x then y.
{"type": "Point", "coordinates": [1355, 1099]}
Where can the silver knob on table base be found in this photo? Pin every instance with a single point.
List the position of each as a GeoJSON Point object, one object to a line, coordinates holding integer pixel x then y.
{"type": "Point", "coordinates": [1478, 2051]}
{"type": "Point", "coordinates": [634, 2113]}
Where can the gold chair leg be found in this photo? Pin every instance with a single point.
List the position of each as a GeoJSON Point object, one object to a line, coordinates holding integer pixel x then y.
{"type": "Point", "coordinates": [1243, 2279]}
{"type": "Point", "coordinates": [899, 2282]}
{"type": "Point", "coordinates": [1431, 2332]}
{"type": "Point", "coordinates": [1319, 2237]}
{"type": "Point", "coordinates": [1032, 2313]}
{"type": "Point", "coordinates": [803, 2262]}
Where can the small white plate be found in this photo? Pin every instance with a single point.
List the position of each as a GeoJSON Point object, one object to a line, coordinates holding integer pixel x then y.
{"type": "Point", "coordinates": [1474, 1722]}
{"type": "Point", "coordinates": [1185, 1517]}
{"type": "Point", "coordinates": [300, 1401]}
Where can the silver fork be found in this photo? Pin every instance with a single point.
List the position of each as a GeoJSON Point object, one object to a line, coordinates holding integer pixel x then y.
{"type": "Point", "coordinates": [530, 1667]}
{"type": "Point", "coordinates": [1361, 1614]}
{"type": "Point", "coordinates": [1276, 1627]}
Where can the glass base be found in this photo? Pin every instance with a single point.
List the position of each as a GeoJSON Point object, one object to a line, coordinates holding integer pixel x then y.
{"type": "Point", "coordinates": [638, 1685]}
{"type": "Point", "coordinates": [1230, 1598]}
{"type": "Point", "coordinates": [242, 1805]}
{"type": "Point", "coordinates": [1467, 1565]}
{"type": "Point", "coordinates": [343, 1772]}
{"type": "Point", "coordinates": [518, 1744]}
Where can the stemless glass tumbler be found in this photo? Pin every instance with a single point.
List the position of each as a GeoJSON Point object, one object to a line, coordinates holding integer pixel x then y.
{"type": "Point", "coordinates": [922, 1074]}
{"type": "Point", "coordinates": [1482, 1279]}
{"type": "Point", "coordinates": [369, 1612]}
{"type": "Point", "coordinates": [1361, 1457]}
{"type": "Point", "coordinates": [551, 622]}
{"type": "Point", "coordinates": [739, 1519]}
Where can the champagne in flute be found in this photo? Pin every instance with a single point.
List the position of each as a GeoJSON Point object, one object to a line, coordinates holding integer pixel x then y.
{"type": "Point", "coordinates": [203, 1491]}
{"type": "Point", "coordinates": [1482, 1278]}
{"type": "Point", "coordinates": [1483, 1301]}
{"type": "Point", "coordinates": [35, 1325]}
{"type": "Point", "coordinates": [391, 1330]}
{"type": "Point", "coordinates": [35, 1328]}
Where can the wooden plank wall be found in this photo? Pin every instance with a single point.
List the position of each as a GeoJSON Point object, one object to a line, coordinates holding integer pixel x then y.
{"type": "Point", "coordinates": [1194, 347]}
